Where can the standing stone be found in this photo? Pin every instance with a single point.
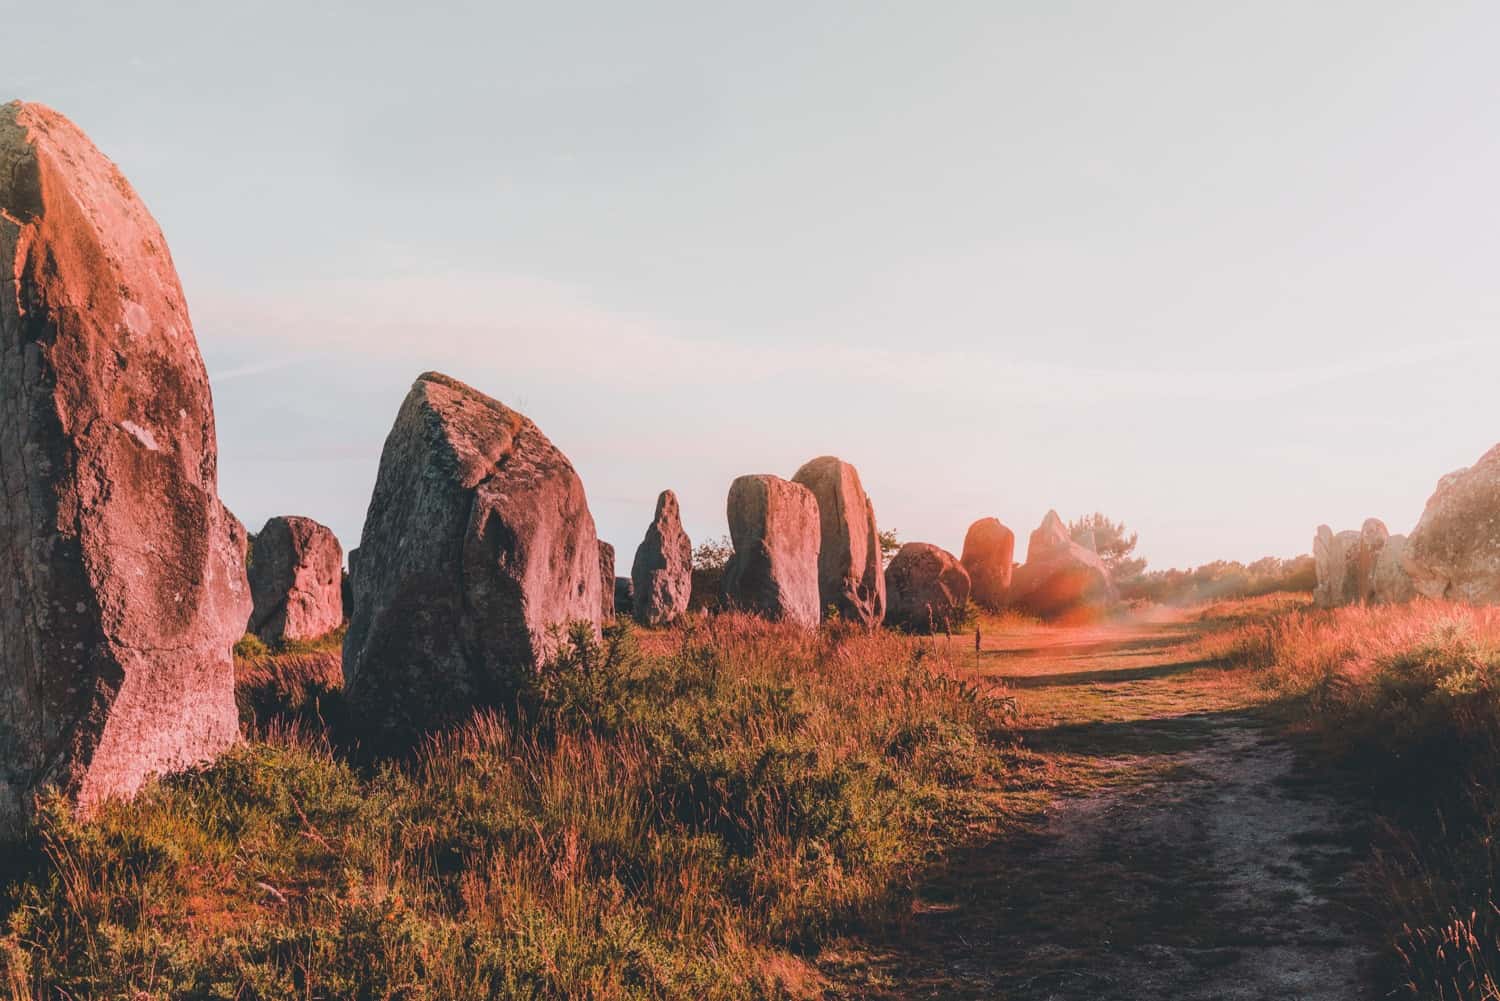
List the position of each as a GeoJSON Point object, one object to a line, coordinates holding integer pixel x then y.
{"type": "Point", "coordinates": [478, 552]}
{"type": "Point", "coordinates": [1061, 578]}
{"type": "Point", "coordinates": [607, 581]}
{"type": "Point", "coordinates": [927, 588]}
{"type": "Point", "coordinates": [296, 580]}
{"type": "Point", "coordinates": [851, 570]}
{"type": "Point", "coordinates": [1336, 557]}
{"type": "Point", "coordinates": [1373, 537]}
{"type": "Point", "coordinates": [990, 557]}
{"type": "Point", "coordinates": [1393, 585]}
{"type": "Point", "coordinates": [662, 574]}
{"type": "Point", "coordinates": [125, 578]}
{"type": "Point", "coordinates": [1454, 552]}
{"type": "Point", "coordinates": [774, 570]}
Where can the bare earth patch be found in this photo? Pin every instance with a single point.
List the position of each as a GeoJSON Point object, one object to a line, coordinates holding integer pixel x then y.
{"type": "Point", "coordinates": [1186, 853]}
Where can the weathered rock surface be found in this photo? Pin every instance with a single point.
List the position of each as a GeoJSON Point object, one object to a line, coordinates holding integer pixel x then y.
{"type": "Point", "coordinates": [1454, 552]}
{"type": "Point", "coordinates": [1373, 536]}
{"type": "Point", "coordinates": [1060, 578]}
{"type": "Point", "coordinates": [851, 572]}
{"type": "Point", "coordinates": [990, 557]}
{"type": "Point", "coordinates": [774, 570]}
{"type": "Point", "coordinates": [1336, 558]}
{"type": "Point", "coordinates": [662, 574]}
{"type": "Point", "coordinates": [478, 548]}
{"type": "Point", "coordinates": [125, 579]}
{"type": "Point", "coordinates": [296, 580]}
{"type": "Point", "coordinates": [1393, 584]}
{"type": "Point", "coordinates": [926, 588]}
{"type": "Point", "coordinates": [606, 581]}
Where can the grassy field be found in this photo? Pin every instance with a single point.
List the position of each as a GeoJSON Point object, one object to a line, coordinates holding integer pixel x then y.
{"type": "Point", "coordinates": [1180, 802]}
{"type": "Point", "coordinates": [691, 819]}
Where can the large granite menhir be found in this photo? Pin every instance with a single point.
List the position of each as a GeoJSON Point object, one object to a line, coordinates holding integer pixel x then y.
{"type": "Point", "coordinates": [989, 555]}
{"type": "Point", "coordinates": [125, 580]}
{"type": "Point", "coordinates": [296, 580]}
{"type": "Point", "coordinates": [928, 588]}
{"type": "Point", "coordinates": [478, 551]}
{"type": "Point", "coordinates": [661, 576]}
{"type": "Point", "coordinates": [851, 570]}
{"type": "Point", "coordinates": [1454, 552]}
{"type": "Point", "coordinates": [773, 524]}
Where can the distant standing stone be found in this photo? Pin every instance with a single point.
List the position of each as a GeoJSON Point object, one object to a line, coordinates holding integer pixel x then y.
{"type": "Point", "coordinates": [606, 581]}
{"type": "Point", "coordinates": [662, 573]}
{"type": "Point", "coordinates": [927, 588]}
{"type": "Point", "coordinates": [1061, 578]}
{"type": "Point", "coordinates": [989, 556]}
{"type": "Point", "coordinates": [296, 580]}
{"type": "Point", "coordinates": [774, 570]}
{"type": "Point", "coordinates": [1393, 585]}
{"type": "Point", "coordinates": [851, 574]}
{"type": "Point", "coordinates": [124, 584]}
{"type": "Point", "coordinates": [478, 550]}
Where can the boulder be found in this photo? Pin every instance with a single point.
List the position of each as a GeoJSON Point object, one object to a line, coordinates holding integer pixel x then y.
{"type": "Point", "coordinates": [1393, 585]}
{"type": "Point", "coordinates": [851, 570]}
{"type": "Point", "coordinates": [606, 581]}
{"type": "Point", "coordinates": [1454, 552]}
{"type": "Point", "coordinates": [1373, 536]}
{"type": "Point", "coordinates": [662, 574]}
{"type": "Point", "coordinates": [296, 580]}
{"type": "Point", "coordinates": [478, 552]}
{"type": "Point", "coordinates": [990, 556]}
{"type": "Point", "coordinates": [773, 524]}
{"type": "Point", "coordinates": [1061, 578]}
{"type": "Point", "coordinates": [927, 588]}
{"type": "Point", "coordinates": [125, 577]}
{"type": "Point", "coordinates": [1336, 557]}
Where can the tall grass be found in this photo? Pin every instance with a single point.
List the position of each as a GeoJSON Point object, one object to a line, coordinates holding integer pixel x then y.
{"type": "Point", "coordinates": [690, 822]}
{"type": "Point", "coordinates": [1409, 697]}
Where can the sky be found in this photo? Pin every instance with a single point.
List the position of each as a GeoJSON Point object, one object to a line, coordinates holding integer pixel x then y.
{"type": "Point", "coordinates": [1223, 272]}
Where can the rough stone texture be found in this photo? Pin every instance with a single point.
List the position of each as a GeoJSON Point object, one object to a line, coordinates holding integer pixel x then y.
{"type": "Point", "coordinates": [1373, 536]}
{"type": "Point", "coordinates": [125, 578]}
{"type": "Point", "coordinates": [1393, 584]}
{"type": "Point", "coordinates": [774, 570]}
{"type": "Point", "coordinates": [296, 580]}
{"type": "Point", "coordinates": [927, 588]}
{"type": "Point", "coordinates": [990, 557]}
{"type": "Point", "coordinates": [1454, 552]}
{"type": "Point", "coordinates": [1060, 578]}
{"type": "Point", "coordinates": [662, 575]}
{"type": "Point", "coordinates": [606, 581]}
{"type": "Point", "coordinates": [1336, 558]}
{"type": "Point", "coordinates": [851, 571]}
{"type": "Point", "coordinates": [349, 583]}
{"type": "Point", "coordinates": [478, 548]}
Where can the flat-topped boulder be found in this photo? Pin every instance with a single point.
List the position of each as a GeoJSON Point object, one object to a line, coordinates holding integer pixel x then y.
{"type": "Point", "coordinates": [927, 589]}
{"type": "Point", "coordinates": [1060, 578]}
{"type": "Point", "coordinates": [296, 580]}
{"type": "Point", "coordinates": [1454, 552]}
{"type": "Point", "coordinates": [989, 555]}
{"type": "Point", "coordinates": [661, 575]}
{"type": "Point", "coordinates": [851, 574]}
{"type": "Point", "coordinates": [478, 552]}
{"type": "Point", "coordinates": [773, 524]}
{"type": "Point", "coordinates": [125, 583]}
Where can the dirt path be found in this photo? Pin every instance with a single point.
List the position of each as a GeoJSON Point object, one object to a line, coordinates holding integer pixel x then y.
{"type": "Point", "coordinates": [1185, 854]}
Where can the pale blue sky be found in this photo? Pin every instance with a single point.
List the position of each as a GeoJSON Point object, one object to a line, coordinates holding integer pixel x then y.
{"type": "Point", "coordinates": [1224, 271]}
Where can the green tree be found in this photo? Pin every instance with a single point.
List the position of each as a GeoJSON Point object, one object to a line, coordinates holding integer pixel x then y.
{"type": "Point", "coordinates": [1112, 541]}
{"type": "Point", "coordinates": [890, 544]}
